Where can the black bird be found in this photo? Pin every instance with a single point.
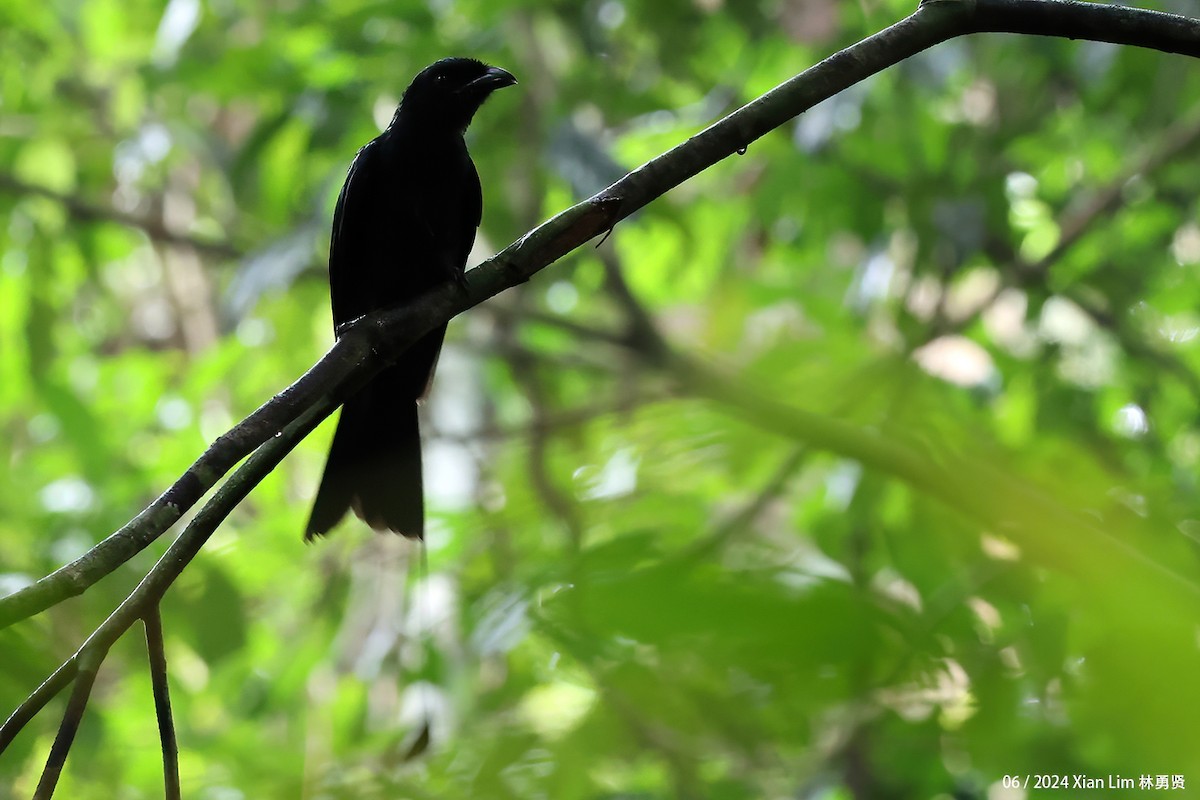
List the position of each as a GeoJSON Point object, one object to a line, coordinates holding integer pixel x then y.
{"type": "Point", "coordinates": [404, 223]}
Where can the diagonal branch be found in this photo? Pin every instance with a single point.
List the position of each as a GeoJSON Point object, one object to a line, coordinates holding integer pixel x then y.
{"type": "Point", "coordinates": [84, 681]}
{"type": "Point", "coordinates": [157, 651]}
{"type": "Point", "coordinates": [1175, 142]}
{"type": "Point", "coordinates": [332, 371]}
{"type": "Point", "coordinates": [146, 596]}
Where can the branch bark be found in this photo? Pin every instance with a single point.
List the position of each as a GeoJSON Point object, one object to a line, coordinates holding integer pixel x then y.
{"type": "Point", "coordinates": [82, 665]}
{"type": "Point", "coordinates": [157, 652]}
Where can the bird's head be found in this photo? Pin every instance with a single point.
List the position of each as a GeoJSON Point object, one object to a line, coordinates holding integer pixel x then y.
{"type": "Point", "coordinates": [449, 92]}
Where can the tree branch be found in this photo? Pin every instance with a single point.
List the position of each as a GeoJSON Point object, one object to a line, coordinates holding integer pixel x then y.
{"type": "Point", "coordinates": [1074, 20]}
{"type": "Point", "coordinates": [1074, 224]}
{"type": "Point", "coordinates": [155, 647]}
{"type": "Point", "coordinates": [149, 592]}
{"type": "Point", "coordinates": [69, 727]}
{"type": "Point", "coordinates": [155, 229]}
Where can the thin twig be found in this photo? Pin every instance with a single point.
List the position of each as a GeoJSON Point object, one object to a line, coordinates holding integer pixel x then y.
{"type": "Point", "coordinates": [152, 620]}
{"type": "Point", "coordinates": [150, 591]}
{"type": "Point", "coordinates": [1074, 224]}
{"type": "Point", "coordinates": [560, 501]}
{"type": "Point", "coordinates": [506, 312]}
{"type": "Point", "coordinates": [72, 716]}
{"type": "Point", "coordinates": [643, 335]}
{"type": "Point", "coordinates": [702, 549]}
{"type": "Point", "coordinates": [560, 420]}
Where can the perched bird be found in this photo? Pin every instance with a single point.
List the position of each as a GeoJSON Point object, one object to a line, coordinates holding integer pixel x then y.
{"type": "Point", "coordinates": [404, 223]}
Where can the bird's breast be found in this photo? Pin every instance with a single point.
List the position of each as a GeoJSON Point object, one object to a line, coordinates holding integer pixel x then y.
{"type": "Point", "coordinates": [429, 222]}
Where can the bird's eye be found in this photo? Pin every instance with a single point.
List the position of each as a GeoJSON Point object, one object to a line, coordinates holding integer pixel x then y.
{"type": "Point", "coordinates": [440, 79]}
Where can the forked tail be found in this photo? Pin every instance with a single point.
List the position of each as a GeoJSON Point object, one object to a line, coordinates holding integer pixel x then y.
{"type": "Point", "coordinates": [374, 467]}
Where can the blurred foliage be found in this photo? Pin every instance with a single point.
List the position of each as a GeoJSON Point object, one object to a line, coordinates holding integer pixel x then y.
{"type": "Point", "coordinates": [989, 255]}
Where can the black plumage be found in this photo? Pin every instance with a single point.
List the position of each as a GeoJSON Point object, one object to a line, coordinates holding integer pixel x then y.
{"type": "Point", "coordinates": [405, 221]}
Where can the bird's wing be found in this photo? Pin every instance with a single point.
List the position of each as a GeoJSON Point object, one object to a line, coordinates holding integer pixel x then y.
{"type": "Point", "coordinates": [379, 233]}
{"type": "Point", "coordinates": [473, 213]}
{"type": "Point", "coordinates": [353, 217]}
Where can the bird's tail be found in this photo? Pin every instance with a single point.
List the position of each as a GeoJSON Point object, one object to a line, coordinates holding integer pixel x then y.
{"type": "Point", "coordinates": [374, 467]}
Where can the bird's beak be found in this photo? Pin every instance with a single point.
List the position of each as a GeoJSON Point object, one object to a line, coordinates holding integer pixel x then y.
{"type": "Point", "coordinates": [495, 78]}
